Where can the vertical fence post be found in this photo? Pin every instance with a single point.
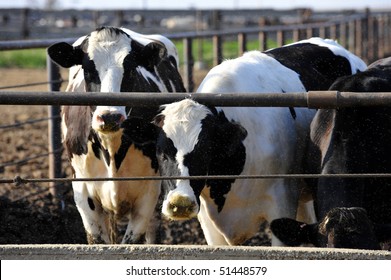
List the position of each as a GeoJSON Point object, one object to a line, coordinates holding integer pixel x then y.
{"type": "Point", "coordinates": [351, 36]}
{"type": "Point", "coordinates": [371, 37]}
{"type": "Point", "coordinates": [359, 38]}
{"type": "Point", "coordinates": [280, 38]}
{"type": "Point", "coordinates": [386, 34]}
{"type": "Point", "coordinates": [309, 32]}
{"type": "Point", "coordinates": [387, 31]}
{"type": "Point", "coordinates": [365, 36]}
{"type": "Point", "coordinates": [217, 50]}
{"type": "Point", "coordinates": [322, 32]}
{"type": "Point", "coordinates": [334, 31]}
{"type": "Point", "coordinates": [380, 40]}
{"type": "Point", "coordinates": [188, 64]}
{"type": "Point", "coordinates": [262, 38]}
{"type": "Point", "coordinates": [343, 34]}
{"type": "Point", "coordinates": [376, 37]}
{"type": "Point", "coordinates": [242, 43]}
{"type": "Point", "coordinates": [25, 23]}
{"type": "Point", "coordinates": [54, 134]}
{"type": "Point", "coordinates": [296, 35]}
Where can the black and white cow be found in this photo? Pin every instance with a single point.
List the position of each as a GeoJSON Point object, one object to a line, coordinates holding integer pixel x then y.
{"type": "Point", "coordinates": [351, 140]}
{"type": "Point", "coordinates": [200, 140]}
{"type": "Point", "coordinates": [116, 141]}
{"type": "Point", "coordinates": [342, 227]}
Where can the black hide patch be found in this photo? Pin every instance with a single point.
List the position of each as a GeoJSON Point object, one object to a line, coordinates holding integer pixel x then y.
{"type": "Point", "coordinates": [318, 67]}
{"type": "Point", "coordinates": [91, 203]}
{"type": "Point", "coordinates": [140, 132]}
{"type": "Point", "coordinates": [168, 166]}
{"type": "Point", "coordinates": [219, 151]}
{"type": "Point", "coordinates": [98, 149]}
{"type": "Point", "coordinates": [294, 233]}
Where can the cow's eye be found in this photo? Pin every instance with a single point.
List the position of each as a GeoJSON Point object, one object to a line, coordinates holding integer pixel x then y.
{"type": "Point", "coordinates": [164, 157]}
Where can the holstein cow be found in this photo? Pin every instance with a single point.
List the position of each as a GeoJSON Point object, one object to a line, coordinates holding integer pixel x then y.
{"type": "Point", "coordinates": [351, 140]}
{"type": "Point", "coordinates": [200, 140]}
{"type": "Point", "coordinates": [116, 141]}
{"type": "Point", "coordinates": [342, 227]}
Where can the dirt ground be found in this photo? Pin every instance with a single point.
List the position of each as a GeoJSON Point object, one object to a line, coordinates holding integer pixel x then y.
{"type": "Point", "coordinates": [28, 213]}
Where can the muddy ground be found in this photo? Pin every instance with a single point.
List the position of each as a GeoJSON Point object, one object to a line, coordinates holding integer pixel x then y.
{"type": "Point", "coordinates": [28, 213]}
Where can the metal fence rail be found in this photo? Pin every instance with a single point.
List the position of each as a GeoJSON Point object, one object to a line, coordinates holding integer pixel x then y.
{"type": "Point", "coordinates": [19, 180]}
{"type": "Point", "coordinates": [310, 99]}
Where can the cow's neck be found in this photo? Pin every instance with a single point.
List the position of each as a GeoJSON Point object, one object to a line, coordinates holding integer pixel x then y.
{"type": "Point", "coordinates": [111, 142]}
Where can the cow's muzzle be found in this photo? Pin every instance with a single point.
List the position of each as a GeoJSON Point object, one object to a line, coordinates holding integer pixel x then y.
{"type": "Point", "coordinates": [179, 207]}
{"type": "Point", "coordinates": [110, 122]}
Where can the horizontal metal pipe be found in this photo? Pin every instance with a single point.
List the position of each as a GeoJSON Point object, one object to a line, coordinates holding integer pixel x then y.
{"type": "Point", "coordinates": [32, 44]}
{"type": "Point", "coordinates": [312, 99]}
{"type": "Point", "coordinates": [19, 180]}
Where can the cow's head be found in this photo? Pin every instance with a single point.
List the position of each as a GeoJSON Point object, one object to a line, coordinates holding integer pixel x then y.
{"type": "Point", "coordinates": [194, 141]}
{"type": "Point", "coordinates": [349, 228]}
{"type": "Point", "coordinates": [341, 227]}
{"type": "Point", "coordinates": [112, 62]}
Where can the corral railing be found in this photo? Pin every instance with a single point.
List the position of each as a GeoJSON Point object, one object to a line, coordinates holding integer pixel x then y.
{"type": "Point", "coordinates": [367, 35]}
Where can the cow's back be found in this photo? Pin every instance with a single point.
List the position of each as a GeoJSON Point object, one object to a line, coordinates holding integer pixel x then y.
{"type": "Point", "coordinates": [319, 62]}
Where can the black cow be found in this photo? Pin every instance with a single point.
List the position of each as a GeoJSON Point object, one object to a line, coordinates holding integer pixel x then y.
{"type": "Point", "coordinates": [351, 140]}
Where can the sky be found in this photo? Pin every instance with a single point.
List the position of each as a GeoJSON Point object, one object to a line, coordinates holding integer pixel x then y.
{"type": "Point", "coordinates": [202, 4]}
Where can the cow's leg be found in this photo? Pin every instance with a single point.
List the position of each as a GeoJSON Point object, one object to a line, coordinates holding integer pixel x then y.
{"type": "Point", "coordinates": [92, 215]}
{"type": "Point", "coordinates": [142, 224]}
{"type": "Point", "coordinates": [285, 204]}
{"type": "Point", "coordinates": [153, 234]}
{"type": "Point", "coordinates": [306, 212]}
{"type": "Point", "coordinates": [211, 233]}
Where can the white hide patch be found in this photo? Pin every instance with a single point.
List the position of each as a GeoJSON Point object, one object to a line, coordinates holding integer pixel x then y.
{"type": "Point", "coordinates": [254, 72]}
{"type": "Point", "coordinates": [108, 51]}
{"type": "Point", "coordinates": [182, 124]}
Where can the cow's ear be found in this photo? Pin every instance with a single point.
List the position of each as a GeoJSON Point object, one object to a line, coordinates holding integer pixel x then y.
{"type": "Point", "coordinates": [158, 120]}
{"type": "Point", "coordinates": [291, 232]}
{"type": "Point", "coordinates": [65, 54]}
{"type": "Point", "coordinates": [149, 55]}
{"type": "Point", "coordinates": [322, 126]}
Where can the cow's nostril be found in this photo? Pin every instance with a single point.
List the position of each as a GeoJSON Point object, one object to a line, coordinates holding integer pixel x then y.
{"type": "Point", "coordinates": [110, 122]}
{"type": "Point", "coordinates": [112, 118]}
{"type": "Point", "coordinates": [182, 209]}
